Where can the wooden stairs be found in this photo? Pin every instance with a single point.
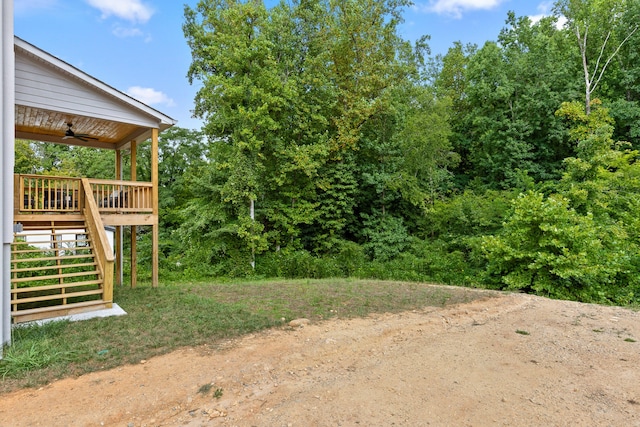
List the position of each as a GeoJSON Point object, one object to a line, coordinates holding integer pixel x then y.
{"type": "Point", "coordinates": [55, 270]}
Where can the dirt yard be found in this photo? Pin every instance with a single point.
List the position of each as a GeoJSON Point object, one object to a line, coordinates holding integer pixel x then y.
{"type": "Point", "coordinates": [512, 360]}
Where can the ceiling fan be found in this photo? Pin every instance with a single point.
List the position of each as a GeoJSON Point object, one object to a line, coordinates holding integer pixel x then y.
{"type": "Point", "coordinates": [81, 136]}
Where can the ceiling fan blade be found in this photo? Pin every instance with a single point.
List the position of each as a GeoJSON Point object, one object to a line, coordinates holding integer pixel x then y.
{"type": "Point", "coordinates": [79, 136]}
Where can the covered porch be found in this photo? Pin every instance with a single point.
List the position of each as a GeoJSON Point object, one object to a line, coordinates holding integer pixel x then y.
{"type": "Point", "coordinates": [58, 103]}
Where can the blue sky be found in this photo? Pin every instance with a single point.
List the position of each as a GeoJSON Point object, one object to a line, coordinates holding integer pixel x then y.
{"type": "Point", "coordinates": [137, 46]}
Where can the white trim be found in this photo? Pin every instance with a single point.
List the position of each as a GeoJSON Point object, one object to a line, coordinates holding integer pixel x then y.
{"type": "Point", "coordinates": [7, 130]}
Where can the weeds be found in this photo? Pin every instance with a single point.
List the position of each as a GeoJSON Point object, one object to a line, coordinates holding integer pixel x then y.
{"type": "Point", "coordinates": [205, 389]}
{"type": "Point", "coordinates": [29, 356]}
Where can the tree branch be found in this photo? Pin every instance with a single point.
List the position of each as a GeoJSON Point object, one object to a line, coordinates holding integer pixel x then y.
{"type": "Point", "coordinates": [612, 56]}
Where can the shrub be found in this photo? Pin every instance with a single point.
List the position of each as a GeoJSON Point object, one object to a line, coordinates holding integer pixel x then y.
{"type": "Point", "coordinates": [467, 214]}
{"type": "Point", "coordinates": [385, 236]}
{"type": "Point", "coordinates": [549, 248]}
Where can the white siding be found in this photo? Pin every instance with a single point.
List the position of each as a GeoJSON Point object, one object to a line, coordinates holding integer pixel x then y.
{"type": "Point", "coordinates": [40, 86]}
{"type": "Point", "coordinates": [37, 238]}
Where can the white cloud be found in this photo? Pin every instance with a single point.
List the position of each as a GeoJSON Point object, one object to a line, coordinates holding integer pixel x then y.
{"type": "Point", "coordinates": [123, 32]}
{"type": "Point", "coordinates": [561, 22]}
{"type": "Point", "coordinates": [536, 18]}
{"type": "Point", "coordinates": [130, 10]}
{"type": "Point", "coordinates": [545, 6]}
{"type": "Point", "coordinates": [150, 96]}
{"type": "Point", "coordinates": [24, 6]}
{"type": "Point", "coordinates": [456, 8]}
{"type": "Point", "coordinates": [545, 10]}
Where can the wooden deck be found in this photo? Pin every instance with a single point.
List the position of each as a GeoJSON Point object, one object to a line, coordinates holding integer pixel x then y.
{"type": "Point", "coordinates": [118, 202]}
{"type": "Point", "coordinates": [54, 275]}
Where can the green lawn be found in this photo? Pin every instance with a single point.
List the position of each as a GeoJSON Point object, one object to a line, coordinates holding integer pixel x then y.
{"type": "Point", "coordinates": [191, 314]}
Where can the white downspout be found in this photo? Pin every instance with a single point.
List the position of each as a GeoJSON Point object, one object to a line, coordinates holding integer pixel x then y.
{"type": "Point", "coordinates": [7, 135]}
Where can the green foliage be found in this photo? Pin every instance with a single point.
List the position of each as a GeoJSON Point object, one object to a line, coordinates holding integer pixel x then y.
{"type": "Point", "coordinates": [33, 157]}
{"type": "Point", "coordinates": [467, 214]}
{"type": "Point", "coordinates": [627, 120]}
{"type": "Point", "coordinates": [359, 161]}
{"type": "Point", "coordinates": [347, 261]}
{"type": "Point", "coordinates": [548, 248]}
{"type": "Point", "coordinates": [298, 100]}
{"type": "Point", "coordinates": [26, 161]}
{"type": "Point", "coordinates": [451, 83]}
{"type": "Point", "coordinates": [298, 264]}
{"type": "Point", "coordinates": [385, 236]}
{"type": "Point", "coordinates": [33, 349]}
{"type": "Point", "coordinates": [513, 88]}
{"type": "Point", "coordinates": [426, 157]}
{"type": "Point", "coordinates": [581, 242]}
{"type": "Point", "coordinates": [435, 261]}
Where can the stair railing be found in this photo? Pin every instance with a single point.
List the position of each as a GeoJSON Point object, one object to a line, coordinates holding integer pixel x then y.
{"type": "Point", "coordinates": [104, 253]}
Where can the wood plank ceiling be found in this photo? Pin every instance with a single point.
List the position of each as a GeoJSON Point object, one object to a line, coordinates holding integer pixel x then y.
{"type": "Point", "coordinates": [52, 125]}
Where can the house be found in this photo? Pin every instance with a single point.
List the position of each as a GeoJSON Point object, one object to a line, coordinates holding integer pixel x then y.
{"type": "Point", "coordinates": [46, 99]}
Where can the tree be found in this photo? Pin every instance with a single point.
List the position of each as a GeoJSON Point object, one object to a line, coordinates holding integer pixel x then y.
{"type": "Point", "coordinates": [181, 153]}
{"type": "Point", "coordinates": [26, 161]}
{"type": "Point", "coordinates": [620, 87]}
{"type": "Point", "coordinates": [266, 98]}
{"type": "Point", "coordinates": [33, 157]}
{"type": "Point", "coordinates": [596, 25]}
{"type": "Point", "coordinates": [580, 242]}
{"type": "Point", "coordinates": [512, 88]}
{"type": "Point", "coordinates": [288, 95]}
{"type": "Point", "coordinates": [450, 83]}
{"type": "Point", "coordinates": [426, 156]}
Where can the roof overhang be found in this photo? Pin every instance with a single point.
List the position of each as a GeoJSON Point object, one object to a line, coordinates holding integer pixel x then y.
{"type": "Point", "coordinates": [51, 93]}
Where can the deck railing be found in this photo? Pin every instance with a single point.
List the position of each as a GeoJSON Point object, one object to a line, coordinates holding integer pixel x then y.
{"type": "Point", "coordinates": [38, 193]}
{"type": "Point", "coordinates": [53, 194]}
{"type": "Point", "coordinates": [122, 196]}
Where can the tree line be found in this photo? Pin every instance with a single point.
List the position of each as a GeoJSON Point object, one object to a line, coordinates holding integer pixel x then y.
{"type": "Point", "coordinates": [331, 146]}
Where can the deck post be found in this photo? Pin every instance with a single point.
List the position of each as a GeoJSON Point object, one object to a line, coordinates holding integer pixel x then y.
{"type": "Point", "coordinates": [134, 229]}
{"type": "Point", "coordinates": [155, 232]}
{"type": "Point", "coordinates": [117, 241]}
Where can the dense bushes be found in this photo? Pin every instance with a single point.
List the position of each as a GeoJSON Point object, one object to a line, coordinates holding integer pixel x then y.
{"type": "Point", "coordinates": [581, 241]}
{"type": "Point", "coordinates": [423, 261]}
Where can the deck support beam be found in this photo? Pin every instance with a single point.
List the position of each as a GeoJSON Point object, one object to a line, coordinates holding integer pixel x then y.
{"type": "Point", "coordinates": [117, 241]}
{"type": "Point", "coordinates": [134, 229]}
{"type": "Point", "coordinates": [155, 231]}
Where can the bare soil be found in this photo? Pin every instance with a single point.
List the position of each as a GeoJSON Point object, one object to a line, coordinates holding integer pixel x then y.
{"type": "Point", "coordinates": [507, 360]}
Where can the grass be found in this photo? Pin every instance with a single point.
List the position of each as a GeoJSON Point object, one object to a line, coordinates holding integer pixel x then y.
{"type": "Point", "coordinates": [171, 316]}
